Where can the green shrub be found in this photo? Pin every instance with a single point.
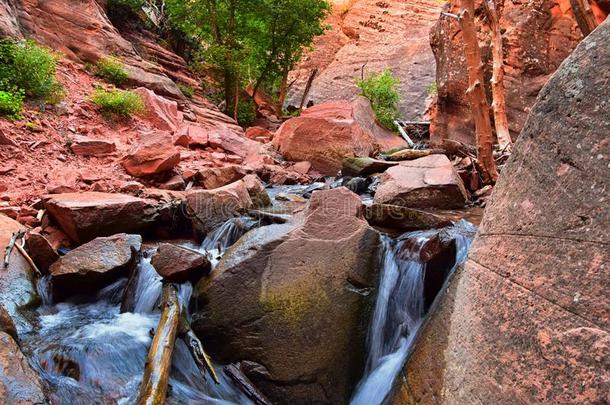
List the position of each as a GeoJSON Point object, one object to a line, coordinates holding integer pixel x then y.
{"type": "Point", "coordinates": [246, 113]}
{"type": "Point", "coordinates": [117, 103]}
{"type": "Point", "coordinates": [31, 68]}
{"type": "Point", "coordinates": [381, 91]}
{"type": "Point", "coordinates": [11, 104]}
{"type": "Point", "coordinates": [187, 90]}
{"type": "Point", "coordinates": [112, 70]}
{"type": "Point", "coordinates": [134, 5]}
{"type": "Point", "coordinates": [433, 89]}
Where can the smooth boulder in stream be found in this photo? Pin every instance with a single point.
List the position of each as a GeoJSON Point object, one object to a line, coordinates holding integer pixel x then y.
{"type": "Point", "coordinates": [94, 265]}
{"type": "Point", "coordinates": [294, 303]}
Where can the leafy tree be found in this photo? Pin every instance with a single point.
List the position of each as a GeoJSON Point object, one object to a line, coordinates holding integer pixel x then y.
{"type": "Point", "coordinates": [381, 91]}
{"type": "Point", "coordinates": [242, 39]}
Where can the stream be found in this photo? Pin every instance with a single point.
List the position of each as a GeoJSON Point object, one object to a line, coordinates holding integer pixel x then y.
{"type": "Point", "coordinates": [88, 352]}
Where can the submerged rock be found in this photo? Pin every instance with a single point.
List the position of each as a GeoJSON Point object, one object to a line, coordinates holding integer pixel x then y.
{"type": "Point", "coordinates": [83, 216]}
{"type": "Point", "coordinates": [94, 265]}
{"type": "Point", "coordinates": [527, 319]}
{"type": "Point", "coordinates": [178, 264]}
{"type": "Point", "coordinates": [428, 182]}
{"type": "Point", "coordinates": [19, 383]}
{"type": "Point", "coordinates": [295, 302]}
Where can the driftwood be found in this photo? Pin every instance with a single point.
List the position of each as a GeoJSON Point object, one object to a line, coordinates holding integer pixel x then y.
{"type": "Point", "coordinates": [411, 154]}
{"type": "Point", "coordinates": [9, 248]}
{"type": "Point", "coordinates": [28, 259]}
{"type": "Point", "coordinates": [159, 362]}
{"type": "Point", "coordinates": [404, 134]}
{"type": "Point", "coordinates": [235, 374]}
{"type": "Point", "coordinates": [459, 149]}
{"type": "Point", "coordinates": [203, 361]}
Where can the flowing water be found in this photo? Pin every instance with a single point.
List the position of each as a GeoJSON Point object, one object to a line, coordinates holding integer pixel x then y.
{"type": "Point", "coordinates": [399, 309]}
{"type": "Point", "coordinates": [89, 353]}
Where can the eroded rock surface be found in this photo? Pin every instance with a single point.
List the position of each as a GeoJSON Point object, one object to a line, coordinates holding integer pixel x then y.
{"type": "Point", "coordinates": [295, 301]}
{"type": "Point", "coordinates": [178, 264]}
{"type": "Point", "coordinates": [529, 314]}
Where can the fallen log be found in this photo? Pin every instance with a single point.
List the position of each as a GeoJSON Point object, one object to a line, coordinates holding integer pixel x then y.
{"type": "Point", "coordinates": [9, 248]}
{"type": "Point", "coordinates": [203, 361]}
{"type": "Point", "coordinates": [159, 362]}
{"type": "Point", "coordinates": [235, 374]}
{"type": "Point", "coordinates": [459, 149]}
{"type": "Point", "coordinates": [411, 154]}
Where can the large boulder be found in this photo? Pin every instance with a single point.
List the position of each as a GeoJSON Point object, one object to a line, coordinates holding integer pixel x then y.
{"type": "Point", "coordinates": [328, 133]}
{"type": "Point", "coordinates": [17, 280]}
{"type": "Point", "coordinates": [162, 113]}
{"type": "Point", "coordinates": [94, 265]}
{"type": "Point", "coordinates": [19, 383]}
{"type": "Point", "coordinates": [83, 216]}
{"type": "Point", "coordinates": [428, 182]}
{"type": "Point", "coordinates": [527, 319]}
{"type": "Point", "coordinates": [295, 301]}
{"type": "Point", "coordinates": [154, 154]}
{"type": "Point", "coordinates": [179, 264]}
{"type": "Point", "coordinates": [210, 208]}
{"type": "Point", "coordinates": [536, 35]}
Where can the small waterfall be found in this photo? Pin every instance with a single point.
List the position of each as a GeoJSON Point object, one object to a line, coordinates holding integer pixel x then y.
{"type": "Point", "coordinates": [399, 309]}
{"type": "Point", "coordinates": [220, 239]}
{"type": "Point", "coordinates": [148, 289]}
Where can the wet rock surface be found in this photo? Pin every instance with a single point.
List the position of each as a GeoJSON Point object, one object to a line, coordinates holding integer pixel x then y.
{"type": "Point", "coordinates": [528, 315]}
{"type": "Point", "coordinates": [94, 265]}
{"type": "Point", "coordinates": [19, 383]}
{"type": "Point", "coordinates": [428, 182]}
{"type": "Point", "coordinates": [178, 264]}
{"type": "Point", "coordinates": [279, 288]}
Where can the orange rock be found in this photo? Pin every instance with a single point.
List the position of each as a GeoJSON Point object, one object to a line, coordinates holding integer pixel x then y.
{"type": "Point", "coordinates": [154, 154]}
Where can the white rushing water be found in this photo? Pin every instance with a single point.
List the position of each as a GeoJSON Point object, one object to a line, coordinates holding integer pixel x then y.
{"type": "Point", "coordinates": [399, 311]}
{"type": "Point", "coordinates": [87, 352]}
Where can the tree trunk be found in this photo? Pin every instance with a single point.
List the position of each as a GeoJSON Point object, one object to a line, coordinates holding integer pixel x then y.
{"type": "Point", "coordinates": [476, 93]}
{"type": "Point", "coordinates": [412, 154]}
{"type": "Point", "coordinates": [584, 16]}
{"type": "Point", "coordinates": [497, 79]}
{"type": "Point", "coordinates": [308, 87]}
{"type": "Point", "coordinates": [283, 92]}
{"type": "Point", "coordinates": [159, 361]}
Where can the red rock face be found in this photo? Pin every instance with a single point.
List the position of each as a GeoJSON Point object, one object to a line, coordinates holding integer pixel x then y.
{"type": "Point", "coordinates": [326, 134]}
{"type": "Point", "coordinates": [379, 34]}
{"type": "Point", "coordinates": [527, 320]}
{"type": "Point", "coordinates": [154, 154]}
{"type": "Point", "coordinates": [538, 36]}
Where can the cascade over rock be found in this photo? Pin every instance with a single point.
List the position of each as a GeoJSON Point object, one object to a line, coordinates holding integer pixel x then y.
{"type": "Point", "coordinates": [528, 316]}
{"type": "Point", "coordinates": [328, 133]}
{"type": "Point", "coordinates": [281, 288]}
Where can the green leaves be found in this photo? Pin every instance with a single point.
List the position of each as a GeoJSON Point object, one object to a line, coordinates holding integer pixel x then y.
{"type": "Point", "coordinates": [117, 103]}
{"type": "Point", "coordinates": [381, 91]}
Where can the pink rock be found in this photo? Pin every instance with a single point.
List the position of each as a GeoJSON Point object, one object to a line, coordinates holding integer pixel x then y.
{"type": "Point", "coordinates": [328, 133]}
{"type": "Point", "coordinates": [192, 135]}
{"type": "Point", "coordinates": [161, 112]}
{"type": "Point", "coordinates": [259, 134]}
{"type": "Point", "coordinates": [428, 182]}
{"type": "Point", "coordinates": [154, 154]}
{"type": "Point", "coordinates": [85, 146]}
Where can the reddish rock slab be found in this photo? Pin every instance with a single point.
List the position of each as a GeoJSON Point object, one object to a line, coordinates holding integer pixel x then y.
{"type": "Point", "coordinates": [86, 146]}
{"type": "Point", "coordinates": [190, 136]}
{"type": "Point", "coordinates": [527, 320]}
{"type": "Point", "coordinates": [154, 154]}
{"type": "Point", "coordinates": [19, 383]}
{"type": "Point", "coordinates": [210, 208]}
{"type": "Point", "coordinates": [41, 251]}
{"type": "Point", "coordinates": [94, 265]}
{"type": "Point", "coordinates": [259, 134]}
{"type": "Point", "coordinates": [178, 264]}
{"type": "Point", "coordinates": [7, 325]}
{"type": "Point", "coordinates": [428, 182]}
{"type": "Point", "coordinates": [328, 133]}
{"type": "Point", "coordinates": [161, 112]}
{"type": "Point", "coordinates": [215, 177]}
{"type": "Point", "coordinates": [83, 216]}
{"type": "Point", "coordinates": [257, 191]}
